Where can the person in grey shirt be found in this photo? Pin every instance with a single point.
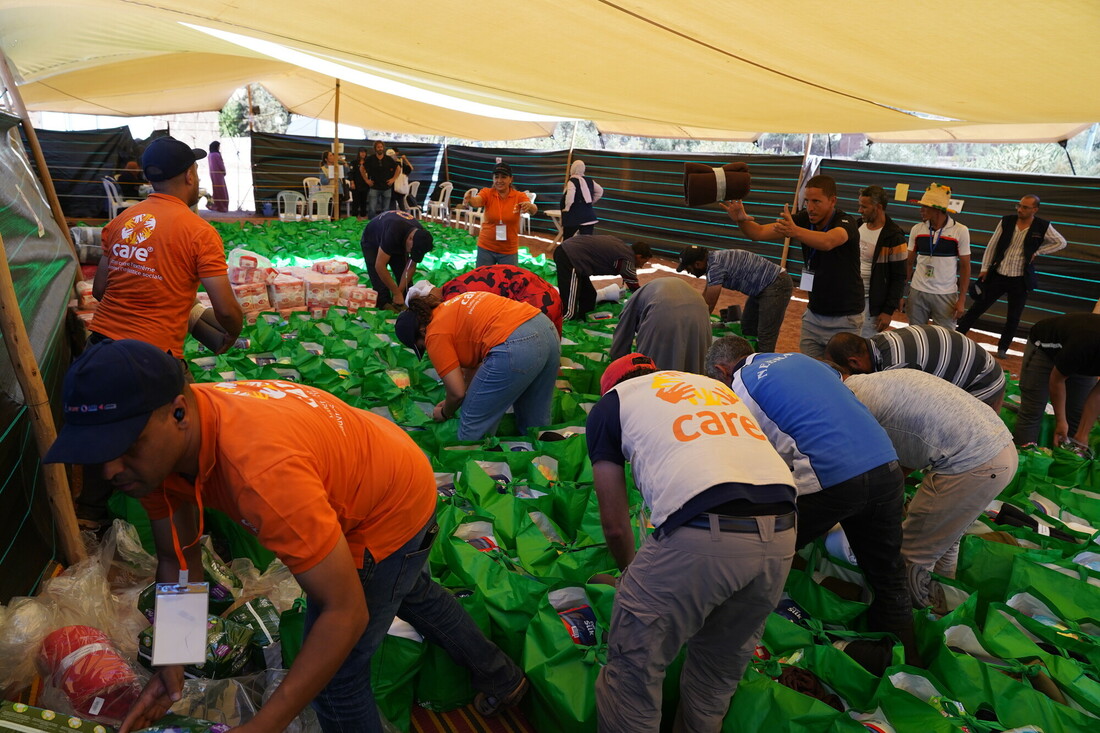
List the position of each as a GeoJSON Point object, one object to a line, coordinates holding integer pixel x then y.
{"type": "Point", "coordinates": [767, 286]}
{"type": "Point", "coordinates": [966, 453]}
{"type": "Point", "coordinates": [672, 324]}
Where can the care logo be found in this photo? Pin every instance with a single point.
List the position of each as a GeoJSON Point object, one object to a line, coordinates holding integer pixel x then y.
{"type": "Point", "coordinates": [138, 229]}
{"type": "Point", "coordinates": [673, 387]}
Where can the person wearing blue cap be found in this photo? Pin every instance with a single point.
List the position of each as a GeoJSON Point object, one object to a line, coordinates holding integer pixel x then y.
{"type": "Point", "coordinates": [343, 497]}
{"type": "Point", "coordinates": [393, 241]}
{"type": "Point", "coordinates": [156, 253]}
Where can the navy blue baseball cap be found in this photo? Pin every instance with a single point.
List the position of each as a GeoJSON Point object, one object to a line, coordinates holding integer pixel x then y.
{"type": "Point", "coordinates": [407, 329]}
{"type": "Point", "coordinates": [108, 396]}
{"type": "Point", "coordinates": [421, 245]}
{"type": "Point", "coordinates": [166, 157]}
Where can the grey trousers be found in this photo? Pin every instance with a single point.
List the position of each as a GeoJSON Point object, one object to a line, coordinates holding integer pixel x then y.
{"type": "Point", "coordinates": [709, 589]}
{"type": "Point", "coordinates": [1035, 394]}
{"type": "Point", "coordinates": [940, 307]}
{"type": "Point", "coordinates": [945, 505]}
{"type": "Point", "coordinates": [817, 330]}
{"type": "Point", "coordinates": [764, 312]}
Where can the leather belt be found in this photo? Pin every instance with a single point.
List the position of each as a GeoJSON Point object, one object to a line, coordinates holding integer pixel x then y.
{"type": "Point", "coordinates": [783, 522]}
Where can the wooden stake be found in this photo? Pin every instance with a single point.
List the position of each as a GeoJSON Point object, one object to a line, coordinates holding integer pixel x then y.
{"type": "Point", "coordinates": [797, 188]}
{"type": "Point", "coordinates": [39, 159]}
{"type": "Point", "coordinates": [336, 154]}
{"type": "Point", "coordinates": [38, 404]}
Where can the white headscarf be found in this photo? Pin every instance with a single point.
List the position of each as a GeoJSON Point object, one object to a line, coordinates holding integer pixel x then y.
{"type": "Point", "coordinates": [419, 290]}
{"type": "Point", "coordinates": [577, 171]}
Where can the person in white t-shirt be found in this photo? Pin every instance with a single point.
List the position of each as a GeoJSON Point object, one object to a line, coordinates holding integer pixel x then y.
{"type": "Point", "coordinates": [882, 254]}
{"type": "Point", "coordinates": [938, 268]}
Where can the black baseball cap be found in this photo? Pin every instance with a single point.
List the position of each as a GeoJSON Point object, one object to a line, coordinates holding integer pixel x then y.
{"type": "Point", "coordinates": [407, 328]}
{"type": "Point", "coordinates": [502, 167]}
{"type": "Point", "coordinates": [107, 398]}
{"type": "Point", "coordinates": [421, 245]}
{"type": "Point", "coordinates": [166, 157]}
{"type": "Point", "coordinates": [690, 256]}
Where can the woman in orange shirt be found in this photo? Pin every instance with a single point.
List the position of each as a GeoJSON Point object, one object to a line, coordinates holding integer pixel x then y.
{"type": "Point", "coordinates": [511, 350]}
{"type": "Point", "coordinates": [498, 240]}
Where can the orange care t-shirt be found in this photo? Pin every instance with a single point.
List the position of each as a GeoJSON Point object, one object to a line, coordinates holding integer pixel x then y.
{"type": "Point", "coordinates": [298, 468]}
{"type": "Point", "coordinates": [500, 211]}
{"type": "Point", "coordinates": [464, 328]}
{"type": "Point", "coordinates": [158, 251]}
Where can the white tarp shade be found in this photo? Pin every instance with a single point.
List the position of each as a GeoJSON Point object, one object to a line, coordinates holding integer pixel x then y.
{"type": "Point", "coordinates": [783, 66]}
{"type": "Point", "coordinates": [982, 134]}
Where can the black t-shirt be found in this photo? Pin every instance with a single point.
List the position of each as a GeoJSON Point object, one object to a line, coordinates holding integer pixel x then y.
{"type": "Point", "coordinates": [1072, 341]}
{"type": "Point", "coordinates": [388, 232]}
{"type": "Point", "coordinates": [380, 171]}
{"type": "Point", "coordinates": [838, 286]}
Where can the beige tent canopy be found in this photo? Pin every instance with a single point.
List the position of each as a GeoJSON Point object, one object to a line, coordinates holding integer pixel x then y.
{"type": "Point", "coordinates": [693, 66]}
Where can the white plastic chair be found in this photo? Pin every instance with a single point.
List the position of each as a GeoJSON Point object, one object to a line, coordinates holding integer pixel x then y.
{"type": "Point", "coordinates": [416, 211]}
{"type": "Point", "coordinates": [525, 218]}
{"type": "Point", "coordinates": [318, 206]}
{"type": "Point", "coordinates": [115, 202]}
{"type": "Point", "coordinates": [291, 205]}
{"type": "Point", "coordinates": [311, 184]}
{"type": "Point", "coordinates": [440, 207]}
{"type": "Point", "coordinates": [470, 215]}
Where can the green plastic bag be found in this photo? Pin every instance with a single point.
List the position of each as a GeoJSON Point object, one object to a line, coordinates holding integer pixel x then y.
{"type": "Point", "coordinates": [1072, 598]}
{"type": "Point", "coordinates": [292, 631]}
{"type": "Point", "coordinates": [441, 684]}
{"type": "Point", "coordinates": [393, 669]}
{"type": "Point", "coordinates": [762, 704]}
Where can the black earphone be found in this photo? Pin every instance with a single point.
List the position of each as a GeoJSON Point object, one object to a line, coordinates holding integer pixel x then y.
{"type": "Point", "coordinates": [178, 414]}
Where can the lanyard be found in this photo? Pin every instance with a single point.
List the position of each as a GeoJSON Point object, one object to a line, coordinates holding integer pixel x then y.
{"type": "Point", "coordinates": [934, 237]}
{"type": "Point", "coordinates": [813, 252]}
{"type": "Point", "coordinates": [500, 205]}
{"type": "Point", "coordinates": [175, 535]}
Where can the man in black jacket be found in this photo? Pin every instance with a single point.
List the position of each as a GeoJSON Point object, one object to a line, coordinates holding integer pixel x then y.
{"type": "Point", "coordinates": [882, 254]}
{"type": "Point", "coordinates": [1008, 266]}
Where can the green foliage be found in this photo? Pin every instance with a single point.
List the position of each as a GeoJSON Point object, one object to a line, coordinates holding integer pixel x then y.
{"type": "Point", "coordinates": [270, 116]}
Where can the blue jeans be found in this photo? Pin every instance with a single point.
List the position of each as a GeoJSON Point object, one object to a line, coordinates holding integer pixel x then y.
{"type": "Point", "coordinates": [378, 201]}
{"type": "Point", "coordinates": [486, 257]}
{"type": "Point", "coordinates": [401, 586]}
{"type": "Point", "coordinates": [519, 373]}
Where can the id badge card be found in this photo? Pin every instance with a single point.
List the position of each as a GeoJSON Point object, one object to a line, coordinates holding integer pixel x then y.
{"type": "Point", "coordinates": [807, 281]}
{"type": "Point", "coordinates": [929, 271]}
{"type": "Point", "coordinates": [502, 232]}
{"type": "Point", "coordinates": [179, 628]}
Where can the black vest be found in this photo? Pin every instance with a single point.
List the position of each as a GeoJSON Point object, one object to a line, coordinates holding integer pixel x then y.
{"type": "Point", "coordinates": [1033, 240]}
{"type": "Point", "coordinates": [581, 211]}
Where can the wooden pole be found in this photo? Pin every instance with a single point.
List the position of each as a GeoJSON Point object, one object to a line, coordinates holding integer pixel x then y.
{"type": "Point", "coordinates": [38, 403]}
{"type": "Point", "coordinates": [39, 159]}
{"type": "Point", "coordinates": [248, 87]}
{"type": "Point", "coordinates": [569, 158]}
{"type": "Point", "coordinates": [336, 154]}
{"type": "Point", "coordinates": [797, 188]}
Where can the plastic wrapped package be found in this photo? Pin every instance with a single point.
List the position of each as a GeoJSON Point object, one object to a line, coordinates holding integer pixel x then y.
{"type": "Point", "coordinates": [125, 560]}
{"type": "Point", "coordinates": [330, 267]}
{"type": "Point", "coordinates": [224, 701]}
{"type": "Point", "coordinates": [357, 296]}
{"type": "Point", "coordinates": [277, 583]}
{"type": "Point", "coordinates": [240, 257]}
{"type": "Point", "coordinates": [26, 624]}
{"type": "Point", "coordinates": [250, 275]}
{"type": "Point", "coordinates": [286, 292]}
{"type": "Point", "coordinates": [306, 722]}
{"type": "Point", "coordinates": [173, 723]}
{"type": "Point", "coordinates": [252, 297]}
{"type": "Point", "coordinates": [16, 716]}
{"type": "Point", "coordinates": [86, 301]}
{"type": "Point", "coordinates": [82, 663]}
{"type": "Point", "coordinates": [322, 291]}
{"type": "Point", "coordinates": [227, 650]}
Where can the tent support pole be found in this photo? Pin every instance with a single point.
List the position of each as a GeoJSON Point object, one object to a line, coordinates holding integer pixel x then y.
{"type": "Point", "coordinates": [39, 159]}
{"type": "Point", "coordinates": [797, 188]}
{"type": "Point", "coordinates": [336, 154]}
{"type": "Point", "coordinates": [38, 404]}
{"type": "Point", "coordinates": [572, 144]}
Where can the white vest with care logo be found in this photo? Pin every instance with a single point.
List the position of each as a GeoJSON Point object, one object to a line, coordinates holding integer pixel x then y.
{"type": "Point", "coordinates": [684, 433]}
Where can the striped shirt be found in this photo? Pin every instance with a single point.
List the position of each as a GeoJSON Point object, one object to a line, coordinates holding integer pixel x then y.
{"type": "Point", "coordinates": [737, 269]}
{"type": "Point", "coordinates": [1012, 264]}
{"type": "Point", "coordinates": [936, 350]}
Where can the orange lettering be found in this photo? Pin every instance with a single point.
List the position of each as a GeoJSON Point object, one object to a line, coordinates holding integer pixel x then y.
{"type": "Point", "coordinates": [731, 421]}
{"type": "Point", "coordinates": [751, 429]}
{"type": "Point", "coordinates": [710, 425]}
{"type": "Point", "coordinates": [678, 431]}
